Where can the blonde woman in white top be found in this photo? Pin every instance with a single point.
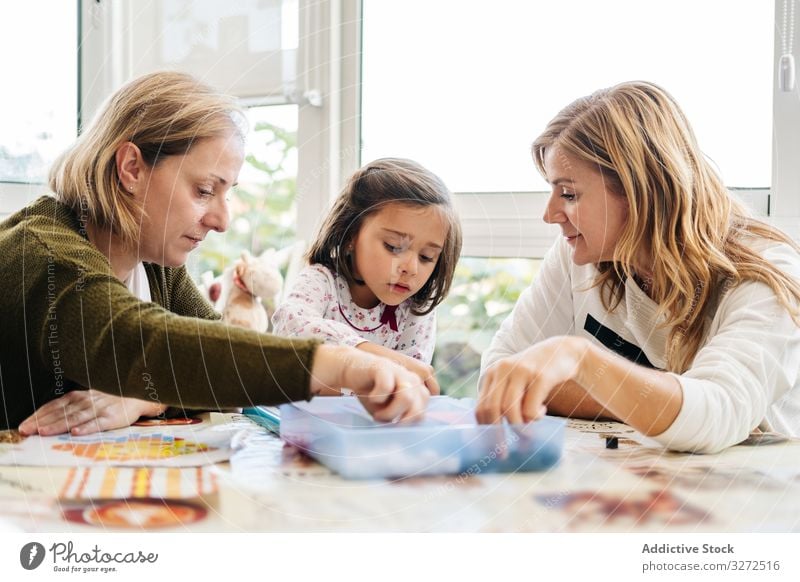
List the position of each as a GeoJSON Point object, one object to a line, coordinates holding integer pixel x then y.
{"type": "Point", "coordinates": [665, 305]}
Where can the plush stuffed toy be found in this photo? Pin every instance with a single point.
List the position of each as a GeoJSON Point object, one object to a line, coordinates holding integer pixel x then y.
{"type": "Point", "coordinates": [248, 292]}
{"type": "Point", "coordinates": [252, 299]}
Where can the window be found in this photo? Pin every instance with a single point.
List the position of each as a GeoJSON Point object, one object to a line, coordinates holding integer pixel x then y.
{"type": "Point", "coordinates": [247, 48]}
{"type": "Point", "coordinates": [244, 46]}
{"type": "Point", "coordinates": [483, 293]}
{"type": "Point", "coordinates": [263, 205]}
{"type": "Point", "coordinates": [469, 108]}
{"type": "Point", "coordinates": [267, 52]}
{"type": "Point", "coordinates": [38, 111]}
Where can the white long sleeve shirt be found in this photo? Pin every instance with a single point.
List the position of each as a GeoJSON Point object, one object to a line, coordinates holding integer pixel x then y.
{"type": "Point", "coordinates": [320, 306]}
{"type": "Point", "coordinates": [745, 375]}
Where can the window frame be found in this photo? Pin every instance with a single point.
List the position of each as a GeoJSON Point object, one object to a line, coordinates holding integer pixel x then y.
{"type": "Point", "coordinates": [784, 199]}
{"type": "Point", "coordinates": [327, 91]}
{"type": "Point", "coordinates": [489, 227]}
{"type": "Point", "coordinates": [15, 195]}
{"type": "Point", "coordinates": [329, 65]}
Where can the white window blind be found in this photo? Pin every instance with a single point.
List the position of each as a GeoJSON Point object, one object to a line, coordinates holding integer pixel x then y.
{"type": "Point", "coordinates": [247, 48]}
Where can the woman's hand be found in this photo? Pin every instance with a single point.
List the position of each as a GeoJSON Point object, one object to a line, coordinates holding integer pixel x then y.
{"type": "Point", "coordinates": [387, 390]}
{"type": "Point", "coordinates": [420, 368]}
{"type": "Point", "coordinates": [86, 411]}
{"type": "Point", "coordinates": [516, 387]}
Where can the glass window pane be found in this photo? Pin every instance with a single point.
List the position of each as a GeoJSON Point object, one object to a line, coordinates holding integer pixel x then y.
{"type": "Point", "coordinates": [39, 101]}
{"type": "Point", "coordinates": [483, 293]}
{"type": "Point", "coordinates": [464, 86]}
{"type": "Point", "coordinates": [248, 47]}
{"type": "Point", "coordinates": [263, 208]}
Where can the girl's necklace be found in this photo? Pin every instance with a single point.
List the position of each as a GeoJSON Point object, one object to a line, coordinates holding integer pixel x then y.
{"type": "Point", "coordinates": [388, 316]}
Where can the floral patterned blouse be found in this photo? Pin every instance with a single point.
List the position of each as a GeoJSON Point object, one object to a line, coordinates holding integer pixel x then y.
{"type": "Point", "coordinates": [320, 306]}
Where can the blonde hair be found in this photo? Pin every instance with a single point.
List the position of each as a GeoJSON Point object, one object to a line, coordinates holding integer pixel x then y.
{"type": "Point", "coordinates": [163, 114]}
{"type": "Point", "coordinates": [370, 189]}
{"type": "Point", "coordinates": [639, 139]}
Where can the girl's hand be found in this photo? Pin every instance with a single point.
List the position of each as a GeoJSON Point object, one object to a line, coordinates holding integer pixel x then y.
{"type": "Point", "coordinates": [87, 411]}
{"type": "Point", "coordinates": [517, 386]}
{"type": "Point", "coordinates": [421, 369]}
{"type": "Point", "coordinates": [388, 391]}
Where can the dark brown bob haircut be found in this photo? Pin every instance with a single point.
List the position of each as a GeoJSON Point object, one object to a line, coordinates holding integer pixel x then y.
{"type": "Point", "coordinates": [371, 188]}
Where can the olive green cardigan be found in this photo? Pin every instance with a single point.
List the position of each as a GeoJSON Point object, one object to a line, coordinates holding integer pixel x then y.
{"type": "Point", "coordinates": [66, 322]}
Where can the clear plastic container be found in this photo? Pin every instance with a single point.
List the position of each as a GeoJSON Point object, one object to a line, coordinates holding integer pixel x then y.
{"type": "Point", "coordinates": [339, 433]}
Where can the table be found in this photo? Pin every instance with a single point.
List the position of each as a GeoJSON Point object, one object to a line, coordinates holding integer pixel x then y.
{"type": "Point", "coordinates": [268, 486]}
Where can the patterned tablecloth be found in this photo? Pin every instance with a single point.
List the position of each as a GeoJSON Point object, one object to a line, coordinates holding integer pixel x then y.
{"type": "Point", "coordinates": [269, 486]}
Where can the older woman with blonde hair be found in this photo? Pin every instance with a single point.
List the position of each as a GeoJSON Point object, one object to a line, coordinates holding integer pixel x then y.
{"type": "Point", "coordinates": [97, 296]}
{"type": "Point", "coordinates": [664, 305]}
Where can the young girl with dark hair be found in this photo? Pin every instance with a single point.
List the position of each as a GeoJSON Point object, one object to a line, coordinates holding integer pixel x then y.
{"type": "Point", "coordinates": [383, 260]}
